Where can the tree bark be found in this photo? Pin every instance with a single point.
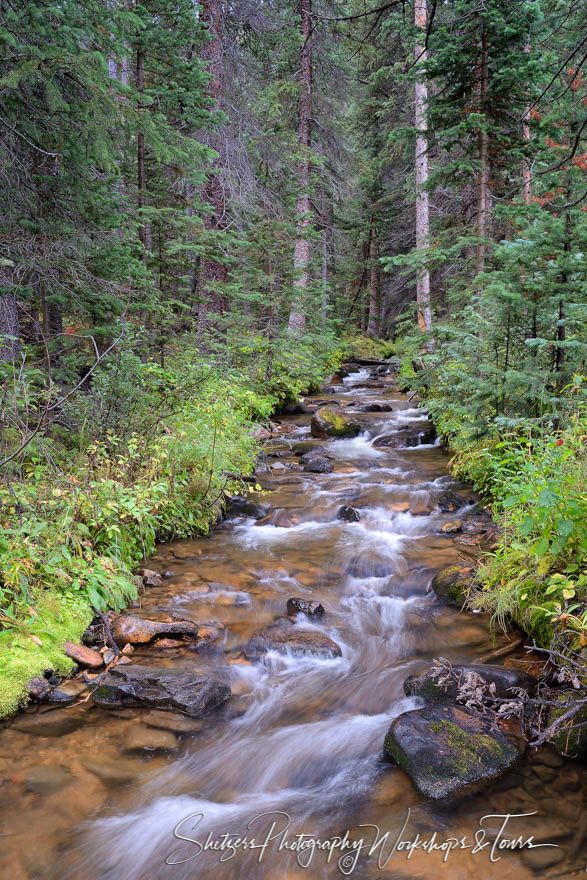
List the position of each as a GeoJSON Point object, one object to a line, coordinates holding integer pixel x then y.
{"type": "Point", "coordinates": [144, 226]}
{"type": "Point", "coordinates": [212, 273]}
{"type": "Point", "coordinates": [374, 287]}
{"type": "Point", "coordinates": [302, 256]}
{"type": "Point", "coordinates": [526, 176]}
{"type": "Point", "coordinates": [325, 217]}
{"type": "Point", "coordinates": [9, 328]}
{"type": "Point", "coordinates": [483, 196]}
{"type": "Point", "coordinates": [422, 211]}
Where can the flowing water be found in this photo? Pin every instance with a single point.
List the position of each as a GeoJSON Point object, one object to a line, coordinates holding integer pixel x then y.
{"type": "Point", "coordinates": [297, 749]}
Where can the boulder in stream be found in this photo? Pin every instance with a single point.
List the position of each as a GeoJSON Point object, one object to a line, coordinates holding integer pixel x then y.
{"type": "Point", "coordinates": [370, 565]}
{"type": "Point", "coordinates": [161, 688]}
{"type": "Point", "coordinates": [284, 637]}
{"type": "Point", "coordinates": [452, 583]}
{"type": "Point", "coordinates": [134, 630]}
{"type": "Point", "coordinates": [318, 465]}
{"type": "Point", "coordinates": [407, 437]}
{"type": "Point", "coordinates": [448, 752]}
{"type": "Point", "coordinates": [348, 513]}
{"type": "Point", "coordinates": [332, 422]}
{"type": "Point", "coordinates": [376, 407]}
{"type": "Point", "coordinates": [450, 501]}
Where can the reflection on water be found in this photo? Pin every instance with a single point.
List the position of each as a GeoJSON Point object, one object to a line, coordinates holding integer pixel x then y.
{"type": "Point", "coordinates": [301, 737]}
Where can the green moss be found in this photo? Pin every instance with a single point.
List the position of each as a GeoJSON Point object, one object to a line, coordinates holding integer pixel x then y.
{"type": "Point", "coordinates": [468, 749]}
{"type": "Point", "coordinates": [58, 620]}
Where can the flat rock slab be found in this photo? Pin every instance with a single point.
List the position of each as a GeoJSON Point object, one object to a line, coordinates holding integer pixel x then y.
{"type": "Point", "coordinates": [161, 688]}
{"type": "Point", "coordinates": [57, 723]}
{"type": "Point", "coordinates": [128, 628]}
{"type": "Point", "coordinates": [285, 638]}
{"type": "Point", "coordinates": [499, 679]}
{"type": "Point", "coordinates": [83, 655]}
{"type": "Point", "coordinates": [449, 752]}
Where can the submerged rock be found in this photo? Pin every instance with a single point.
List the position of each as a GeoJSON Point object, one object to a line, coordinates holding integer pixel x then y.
{"type": "Point", "coordinates": [308, 446]}
{"type": "Point", "coordinates": [56, 723]}
{"type": "Point", "coordinates": [238, 506]}
{"type": "Point", "coordinates": [452, 583]}
{"type": "Point", "coordinates": [348, 513]}
{"type": "Point", "coordinates": [181, 689]}
{"type": "Point", "coordinates": [171, 721]}
{"type": "Point", "coordinates": [332, 422]}
{"type": "Point", "coordinates": [449, 752]}
{"type": "Point", "coordinates": [128, 628]}
{"type": "Point", "coordinates": [425, 684]}
{"type": "Point", "coordinates": [45, 779]}
{"type": "Point", "coordinates": [370, 565]}
{"type": "Point", "coordinates": [284, 637]}
{"type": "Point", "coordinates": [151, 578]}
{"type": "Point", "coordinates": [304, 606]}
{"type": "Point", "coordinates": [140, 739]}
{"type": "Point", "coordinates": [111, 772]}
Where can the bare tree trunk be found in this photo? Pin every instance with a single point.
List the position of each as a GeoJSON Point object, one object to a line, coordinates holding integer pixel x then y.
{"type": "Point", "coordinates": [297, 316]}
{"type": "Point", "coordinates": [422, 214]}
{"type": "Point", "coordinates": [325, 218]}
{"type": "Point", "coordinates": [374, 286]}
{"type": "Point", "coordinates": [483, 195]}
{"type": "Point", "coordinates": [144, 227]}
{"type": "Point", "coordinates": [526, 138]}
{"type": "Point", "coordinates": [212, 273]}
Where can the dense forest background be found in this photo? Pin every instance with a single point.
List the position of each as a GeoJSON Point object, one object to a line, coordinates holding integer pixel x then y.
{"type": "Point", "coordinates": [206, 207]}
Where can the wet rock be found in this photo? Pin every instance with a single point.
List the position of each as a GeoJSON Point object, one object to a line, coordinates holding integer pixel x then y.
{"type": "Point", "coordinates": [406, 438]}
{"type": "Point", "coordinates": [140, 631]}
{"type": "Point", "coordinates": [369, 565]}
{"type": "Point", "coordinates": [540, 858]}
{"type": "Point", "coordinates": [304, 606]}
{"type": "Point", "coordinates": [348, 513]}
{"type": "Point", "coordinates": [548, 757]}
{"type": "Point", "coordinates": [307, 446]}
{"type": "Point", "coordinates": [332, 422]}
{"type": "Point", "coordinates": [140, 739]}
{"type": "Point", "coordinates": [67, 691]}
{"type": "Point", "coordinates": [452, 583]}
{"type": "Point", "coordinates": [243, 507]}
{"type": "Point", "coordinates": [171, 721]}
{"type": "Point", "coordinates": [376, 407]}
{"type": "Point", "coordinates": [449, 752]}
{"type": "Point", "coordinates": [39, 689]}
{"type": "Point", "coordinates": [168, 574]}
{"type": "Point", "coordinates": [112, 772]}
{"type": "Point", "coordinates": [277, 466]}
{"type": "Point", "coordinates": [294, 409]}
{"type": "Point", "coordinates": [284, 637]}
{"type": "Point", "coordinates": [208, 636]}
{"type": "Point", "coordinates": [83, 655]}
{"type": "Point", "coordinates": [319, 452]}
{"type": "Point", "coordinates": [501, 678]}
{"type": "Point", "coordinates": [189, 692]}
{"type": "Point", "coordinates": [450, 501]}
{"type": "Point", "coordinates": [56, 723]}
{"type": "Point", "coordinates": [44, 779]}
{"type": "Point", "coordinates": [485, 530]}
{"type": "Point", "coordinates": [451, 528]}
{"type": "Point", "coordinates": [151, 578]}
{"type": "Point", "coordinates": [168, 644]}
{"type": "Point", "coordinates": [318, 466]}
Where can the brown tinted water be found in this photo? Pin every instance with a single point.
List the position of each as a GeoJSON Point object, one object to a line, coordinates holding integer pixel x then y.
{"type": "Point", "coordinates": [300, 741]}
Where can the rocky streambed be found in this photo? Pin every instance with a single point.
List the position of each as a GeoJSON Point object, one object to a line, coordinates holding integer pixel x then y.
{"type": "Point", "coordinates": [277, 675]}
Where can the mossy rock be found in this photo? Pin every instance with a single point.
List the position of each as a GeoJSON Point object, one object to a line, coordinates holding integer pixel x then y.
{"type": "Point", "coordinates": [452, 584]}
{"type": "Point", "coordinates": [331, 422]}
{"type": "Point", "coordinates": [448, 752]}
{"type": "Point", "coordinates": [425, 684]}
{"type": "Point", "coordinates": [571, 741]}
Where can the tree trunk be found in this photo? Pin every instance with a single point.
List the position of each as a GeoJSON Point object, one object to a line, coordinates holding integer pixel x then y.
{"type": "Point", "coordinates": [483, 195]}
{"type": "Point", "coordinates": [374, 287]}
{"type": "Point", "coordinates": [212, 273]}
{"type": "Point", "coordinates": [297, 316]}
{"type": "Point", "coordinates": [526, 138]}
{"type": "Point", "coordinates": [422, 216]}
{"type": "Point", "coordinates": [325, 256]}
{"type": "Point", "coordinates": [144, 226]}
